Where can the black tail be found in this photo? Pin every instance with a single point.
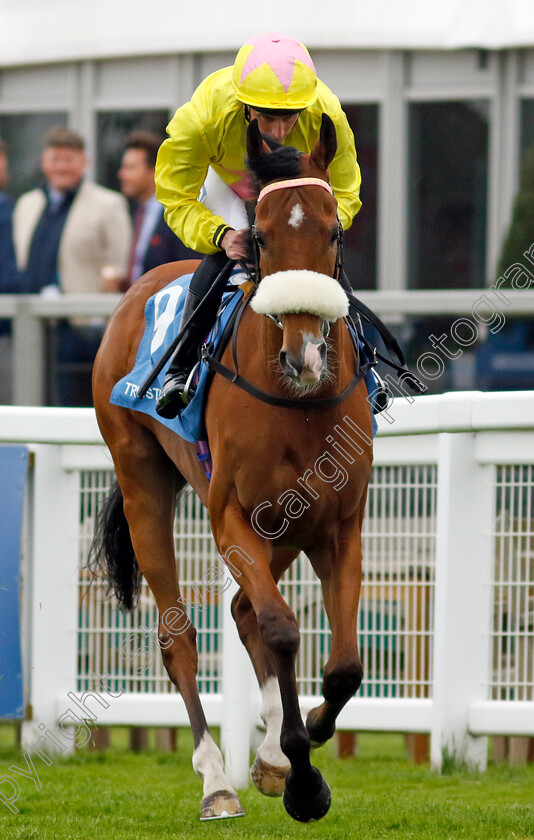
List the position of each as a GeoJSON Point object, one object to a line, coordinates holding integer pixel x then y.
{"type": "Point", "coordinates": [112, 551]}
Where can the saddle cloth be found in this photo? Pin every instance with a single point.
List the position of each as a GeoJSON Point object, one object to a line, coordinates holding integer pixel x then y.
{"type": "Point", "coordinates": [163, 313]}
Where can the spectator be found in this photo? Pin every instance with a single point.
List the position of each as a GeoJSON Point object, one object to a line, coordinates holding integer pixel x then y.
{"type": "Point", "coordinates": [69, 234]}
{"type": "Point", "coordinates": [154, 242]}
{"type": "Point", "coordinates": [8, 275]}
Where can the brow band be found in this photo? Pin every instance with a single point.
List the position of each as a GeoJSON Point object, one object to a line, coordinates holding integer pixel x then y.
{"type": "Point", "coordinates": [295, 182]}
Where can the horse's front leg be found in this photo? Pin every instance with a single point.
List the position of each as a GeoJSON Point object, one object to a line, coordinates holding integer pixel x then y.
{"type": "Point", "coordinates": [306, 795]}
{"type": "Point", "coordinates": [339, 570]}
{"type": "Point", "coordinates": [271, 767]}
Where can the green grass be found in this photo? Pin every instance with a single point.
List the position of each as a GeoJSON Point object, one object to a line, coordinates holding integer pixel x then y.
{"type": "Point", "coordinates": [380, 794]}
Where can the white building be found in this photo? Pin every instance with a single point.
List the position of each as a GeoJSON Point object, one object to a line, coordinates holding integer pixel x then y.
{"type": "Point", "coordinates": [440, 98]}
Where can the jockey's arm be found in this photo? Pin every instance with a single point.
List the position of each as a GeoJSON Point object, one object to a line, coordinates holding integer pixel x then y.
{"type": "Point", "coordinates": [345, 176]}
{"type": "Point", "coordinates": [182, 166]}
{"type": "Point", "coordinates": [181, 169]}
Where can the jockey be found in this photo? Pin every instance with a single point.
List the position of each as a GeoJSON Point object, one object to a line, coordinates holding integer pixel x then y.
{"type": "Point", "coordinates": [201, 179]}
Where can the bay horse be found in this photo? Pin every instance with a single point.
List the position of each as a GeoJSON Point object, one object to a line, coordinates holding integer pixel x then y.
{"type": "Point", "coordinates": [275, 488]}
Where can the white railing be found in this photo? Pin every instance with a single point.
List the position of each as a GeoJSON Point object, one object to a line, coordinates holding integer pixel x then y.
{"type": "Point", "coordinates": [446, 623]}
{"type": "Point", "coordinates": [28, 314]}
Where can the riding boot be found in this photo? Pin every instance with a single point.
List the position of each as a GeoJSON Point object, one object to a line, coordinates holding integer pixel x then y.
{"type": "Point", "coordinates": [175, 392]}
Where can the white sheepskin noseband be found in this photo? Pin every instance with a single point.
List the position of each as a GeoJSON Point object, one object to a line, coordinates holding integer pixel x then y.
{"type": "Point", "coordinates": [301, 291]}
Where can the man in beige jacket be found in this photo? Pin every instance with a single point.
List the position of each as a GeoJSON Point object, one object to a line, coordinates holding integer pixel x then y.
{"type": "Point", "coordinates": [69, 236]}
{"type": "Point", "coordinates": [70, 232]}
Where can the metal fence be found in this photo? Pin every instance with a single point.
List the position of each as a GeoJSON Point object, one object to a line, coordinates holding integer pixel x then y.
{"type": "Point", "coordinates": [512, 677]}
{"type": "Point", "coordinates": [395, 619]}
{"type": "Point", "coordinates": [446, 623]}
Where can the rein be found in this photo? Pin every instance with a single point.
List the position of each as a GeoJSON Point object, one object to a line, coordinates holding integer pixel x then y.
{"type": "Point", "coordinates": [235, 377]}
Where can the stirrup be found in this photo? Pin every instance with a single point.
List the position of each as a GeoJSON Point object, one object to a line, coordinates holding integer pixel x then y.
{"type": "Point", "coordinates": [189, 389]}
{"type": "Point", "coordinates": [171, 400]}
{"type": "Point", "coordinates": [381, 394]}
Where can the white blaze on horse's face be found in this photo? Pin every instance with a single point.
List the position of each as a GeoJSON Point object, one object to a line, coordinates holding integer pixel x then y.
{"type": "Point", "coordinates": [297, 216]}
{"type": "Point", "coordinates": [320, 300]}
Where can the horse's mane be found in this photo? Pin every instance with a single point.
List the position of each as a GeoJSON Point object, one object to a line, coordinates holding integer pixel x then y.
{"type": "Point", "coordinates": [283, 162]}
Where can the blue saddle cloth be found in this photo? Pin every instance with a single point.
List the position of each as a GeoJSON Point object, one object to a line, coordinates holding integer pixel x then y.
{"type": "Point", "coordinates": [163, 313]}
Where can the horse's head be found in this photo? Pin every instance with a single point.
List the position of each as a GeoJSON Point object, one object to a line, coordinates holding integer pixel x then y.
{"type": "Point", "coordinates": [297, 239]}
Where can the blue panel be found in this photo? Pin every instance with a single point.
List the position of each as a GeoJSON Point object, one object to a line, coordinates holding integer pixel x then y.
{"type": "Point", "coordinates": [13, 471]}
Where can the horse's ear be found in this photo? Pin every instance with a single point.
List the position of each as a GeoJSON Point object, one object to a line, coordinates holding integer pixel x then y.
{"type": "Point", "coordinates": [256, 145]}
{"type": "Point", "coordinates": [326, 146]}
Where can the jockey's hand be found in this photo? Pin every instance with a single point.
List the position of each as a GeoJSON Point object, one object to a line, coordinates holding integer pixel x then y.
{"type": "Point", "coordinates": [234, 242]}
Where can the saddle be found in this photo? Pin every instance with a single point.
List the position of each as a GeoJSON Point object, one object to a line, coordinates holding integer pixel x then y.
{"type": "Point", "coordinates": [138, 390]}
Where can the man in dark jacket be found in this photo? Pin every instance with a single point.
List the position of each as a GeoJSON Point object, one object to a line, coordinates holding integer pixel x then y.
{"type": "Point", "coordinates": [8, 264]}
{"type": "Point", "coordinates": [154, 242]}
{"type": "Point", "coordinates": [8, 278]}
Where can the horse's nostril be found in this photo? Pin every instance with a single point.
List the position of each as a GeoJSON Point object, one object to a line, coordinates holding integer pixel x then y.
{"type": "Point", "coordinates": [288, 365]}
{"type": "Point", "coordinates": [322, 351]}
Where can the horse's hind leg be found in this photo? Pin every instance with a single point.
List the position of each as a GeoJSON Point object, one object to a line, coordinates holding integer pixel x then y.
{"type": "Point", "coordinates": [270, 767]}
{"type": "Point", "coordinates": [149, 482]}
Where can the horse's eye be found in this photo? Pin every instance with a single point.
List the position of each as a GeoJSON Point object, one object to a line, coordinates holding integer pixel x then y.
{"type": "Point", "coordinates": [333, 238]}
{"type": "Point", "coordinates": [259, 241]}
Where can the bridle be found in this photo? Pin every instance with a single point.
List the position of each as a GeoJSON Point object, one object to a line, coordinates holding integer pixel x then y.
{"type": "Point", "coordinates": [302, 403]}
{"type": "Point", "coordinates": [282, 185]}
{"type": "Point", "coordinates": [234, 376]}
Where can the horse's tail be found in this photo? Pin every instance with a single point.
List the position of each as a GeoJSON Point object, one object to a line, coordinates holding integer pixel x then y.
{"type": "Point", "coordinates": [112, 551]}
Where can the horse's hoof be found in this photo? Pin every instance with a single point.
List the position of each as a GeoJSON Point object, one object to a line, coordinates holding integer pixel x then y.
{"type": "Point", "coordinates": [221, 805]}
{"type": "Point", "coordinates": [269, 780]}
{"type": "Point", "coordinates": [319, 731]}
{"type": "Point", "coordinates": [305, 806]}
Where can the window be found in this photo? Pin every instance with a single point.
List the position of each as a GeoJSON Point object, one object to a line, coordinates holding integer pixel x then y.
{"type": "Point", "coordinates": [113, 128]}
{"type": "Point", "coordinates": [527, 125]}
{"type": "Point", "coordinates": [24, 135]}
{"type": "Point", "coordinates": [447, 187]}
{"type": "Point", "coordinates": [520, 233]}
{"type": "Point", "coordinates": [360, 239]}
{"type": "Point", "coordinates": [506, 359]}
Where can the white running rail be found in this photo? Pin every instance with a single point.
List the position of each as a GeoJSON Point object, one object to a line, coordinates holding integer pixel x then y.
{"type": "Point", "coordinates": [446, 623]}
